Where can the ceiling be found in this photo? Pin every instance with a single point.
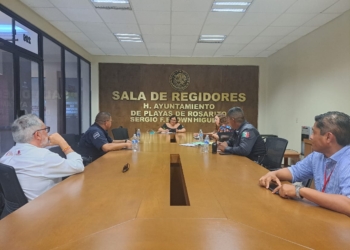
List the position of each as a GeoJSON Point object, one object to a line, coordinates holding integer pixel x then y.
{"type": "Point", "coordinates": [171, 28]}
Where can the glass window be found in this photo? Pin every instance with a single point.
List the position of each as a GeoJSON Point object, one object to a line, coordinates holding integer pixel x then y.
{"type": "Point", "coordinates": [85, 95]}
{"type": "Point", "coordinates": [72, 93]}
{"type": "Point", "coordinates": [26, 38]}
{"type": "Point", "coordinates": [6, 31]}
{"type": "Point", "coordinates": [29, 86]}
{"type": "Point", "coordinates": [6, 101]}
{"type": "Point", "coordinates": [53, 89]}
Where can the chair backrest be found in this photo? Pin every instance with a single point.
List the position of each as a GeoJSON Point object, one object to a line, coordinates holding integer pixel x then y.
{"type": "Point", "coordinates": [224, 136]}
{"type": "Point", "coordinates": [58, 150]}
{"type": "Point", "coordinates": [275, 148]}
{"type": "Point", "coordinates": [264, 136]}
{"type": "Point", "coordinates": [72, 140]}
{"type": "Point", "coordinates": [12, 191]}
{"type": "Point", "coordinates": [120, 133]}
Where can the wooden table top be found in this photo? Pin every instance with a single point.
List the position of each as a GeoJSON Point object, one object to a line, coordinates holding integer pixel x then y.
{"type": "Point", "coordinates": [104, 208]}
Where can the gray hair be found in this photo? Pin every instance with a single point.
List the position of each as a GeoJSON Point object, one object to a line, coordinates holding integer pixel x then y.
{"type": "Point", "coordinates": [102, 117]}
{"type": "Point", "coordinates": [24, 127]}
{"type": "Point", "coordinates": [236, 113]}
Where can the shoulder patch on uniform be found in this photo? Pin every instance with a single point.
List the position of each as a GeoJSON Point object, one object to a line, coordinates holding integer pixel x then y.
{"type": "Point", "coordinates": [96, 135]}
{"type": "Point", "coordinates": [245, 134]}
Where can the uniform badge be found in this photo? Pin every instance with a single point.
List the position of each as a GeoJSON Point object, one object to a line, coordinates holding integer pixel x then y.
{"type": "Point", "coordinates": [96, 135]}
{"type": "Point", "coordinates": [245, 134]}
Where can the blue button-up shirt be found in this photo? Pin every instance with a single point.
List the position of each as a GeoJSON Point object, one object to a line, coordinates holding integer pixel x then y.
{"type": "Point", "coordinates": [316, 165]}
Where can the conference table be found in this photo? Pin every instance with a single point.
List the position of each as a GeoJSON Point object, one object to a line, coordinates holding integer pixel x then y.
{"type": "Point", "coordinates": [224, 207]}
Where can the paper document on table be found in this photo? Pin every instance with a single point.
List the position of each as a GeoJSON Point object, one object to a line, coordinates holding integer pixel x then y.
{"type": "Point", "coordinates": [193, 144]}
{"type": "Point", "coordinates": [188, 144]}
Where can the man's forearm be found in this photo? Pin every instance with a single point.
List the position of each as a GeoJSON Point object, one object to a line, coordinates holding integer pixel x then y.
{"type": "Point", "coordinates": [284, 174]}
{"type": "Point", "coordinates": [335, 202]}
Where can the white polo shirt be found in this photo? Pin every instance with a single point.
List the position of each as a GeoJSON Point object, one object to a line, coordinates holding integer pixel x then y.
{"type": "Point", "coordinates": [39, 169]}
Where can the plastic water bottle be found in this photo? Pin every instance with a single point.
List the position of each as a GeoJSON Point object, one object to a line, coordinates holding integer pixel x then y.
{"type": "Point", "coordinates": [135, 143]}
{"type": "Point", "coordinates": [138, 134]}
{"type": "Point", "coordinates": [206, 144]}
{"type": "Point", "coordinates": [200, 135]}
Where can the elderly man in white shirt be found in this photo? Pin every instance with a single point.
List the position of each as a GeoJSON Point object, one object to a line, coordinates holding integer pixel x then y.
{"type": "Point", "coordinates": [37, 168]}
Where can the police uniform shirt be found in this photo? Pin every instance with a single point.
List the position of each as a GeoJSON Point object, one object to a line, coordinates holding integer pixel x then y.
{"type": "Point", "coordinates": [92, 141]}
{"type": "Point", "coordinates": [247, 141]}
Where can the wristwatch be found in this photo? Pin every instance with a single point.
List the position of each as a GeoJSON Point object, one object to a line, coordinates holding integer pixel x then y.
{"type": "Point", "coordinates": [298, 186]}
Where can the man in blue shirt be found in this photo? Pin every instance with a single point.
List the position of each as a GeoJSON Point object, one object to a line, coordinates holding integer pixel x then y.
{"type": "Point", "coordinates": [328, 165]}
{"type": "Point", "coordinates": [96, 142]}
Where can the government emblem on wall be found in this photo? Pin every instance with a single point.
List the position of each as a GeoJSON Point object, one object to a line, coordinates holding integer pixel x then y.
{"type": "Point", "coordinates": [179, 80]}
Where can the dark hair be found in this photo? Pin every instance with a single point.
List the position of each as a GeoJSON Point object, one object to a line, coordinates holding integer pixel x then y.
{"type": "Point", "coordinates": [222, 120]}
{"type": "Point", "coordinates": [337, 123]}
{"type": "Point", "coordinates": [236, 113]}
{"type": "Point", "coordinates": [102, 117]}
{"type": "Point", "coordinates": [173, 116]}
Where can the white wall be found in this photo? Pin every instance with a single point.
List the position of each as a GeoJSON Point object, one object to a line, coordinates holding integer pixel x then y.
{"type": "Point", "coordinates": [308, 77]}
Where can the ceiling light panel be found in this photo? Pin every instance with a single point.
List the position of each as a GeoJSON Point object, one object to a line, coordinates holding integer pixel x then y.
{"type": "Point", "coordinates": [112, 4]}
{"type": "Point", "coordinates": [222, 6]}
{"type": "Point", "coordinates": [211, 38]}
{"type": "Point", "coordinates": [132, 38]}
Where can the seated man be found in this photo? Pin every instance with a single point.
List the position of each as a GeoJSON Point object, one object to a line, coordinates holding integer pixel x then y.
{"type": "Point", "coordinates": [246, 141]}
{"type": "Point", "coordinates": [37, 168]}
{"type": "Point", "coordinates": [328, 165]}
{"type": "Point", "coordinates": [96, 141]}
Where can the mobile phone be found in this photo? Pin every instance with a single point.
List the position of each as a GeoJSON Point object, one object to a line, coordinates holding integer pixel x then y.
{"type": "Point", "coordinates": [272, 187]}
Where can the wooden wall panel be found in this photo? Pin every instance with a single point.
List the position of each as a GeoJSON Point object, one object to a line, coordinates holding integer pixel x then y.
{"type": "Point", "coordinates": [134, 79]}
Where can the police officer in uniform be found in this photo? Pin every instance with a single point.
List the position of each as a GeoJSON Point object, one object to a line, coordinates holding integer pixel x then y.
{"type": "Point", "coordinates": [246, 140]}
{"type": "Point", "coordinates": [96, 141]}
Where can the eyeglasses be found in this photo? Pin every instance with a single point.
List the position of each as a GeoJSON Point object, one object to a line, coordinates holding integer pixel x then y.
{"type": "Point", "coordinates": [126, 167]}
{"type": "Point", "coordinates": [47, 128]}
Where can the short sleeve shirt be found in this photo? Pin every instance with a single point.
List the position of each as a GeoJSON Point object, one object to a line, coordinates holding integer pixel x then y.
{"type": "Point", "coordinates": [92, 141]}
{"type": "Point", "coordinates": [316, 166]}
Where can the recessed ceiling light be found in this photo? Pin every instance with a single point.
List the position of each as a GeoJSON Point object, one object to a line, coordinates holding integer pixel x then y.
{"type": "Point", "coordinates": [112, 4]}
{"type": "Point", "coordinates": [110, 1]}
{"type": "Point", "coordinates": [232, 3]}
{"type": "Point", "coordinates": [134, 38]}
{"type": "Point", "coordinates": [230, 6]}
{"type": "Point", "coordinates": [228, 10]}
{"type": "Point", "coordinates": [211, 38]}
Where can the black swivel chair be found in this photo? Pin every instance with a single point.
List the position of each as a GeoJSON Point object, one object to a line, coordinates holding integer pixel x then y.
{"type": "Point", "coordinates": [264, 136]}
{"type": "Point", "coordinates": [12, 192]}
{"type": "Point", "coordinates": [307, 183]}
{"type": "Point", "coordinates": [120, 133]}
{"type": "Point", "coordinates": [72, 140]}
{"type": "Point", "coordinates": [224, 136]}
{"type": "Point", "coordinates": [275, 148]}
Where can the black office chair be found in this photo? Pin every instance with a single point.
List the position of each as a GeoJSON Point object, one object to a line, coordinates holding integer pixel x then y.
{"type": "Point", "coordinates": [307, 183]}
{"type": "Point", "coordinates": [120, 133]}
{"type": "Point", "coordinates": [58, 150]}
{"type": "Point", "coordinates": [12, 192]}
{"type": "Point", "coordinates": [72, 140]}
{"type": "Point", "coordinates": [224, 136]}
{"type": "Point", "coordinates": [275, 148]}
{"type": "Point", "coordinates": [264, 136]}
